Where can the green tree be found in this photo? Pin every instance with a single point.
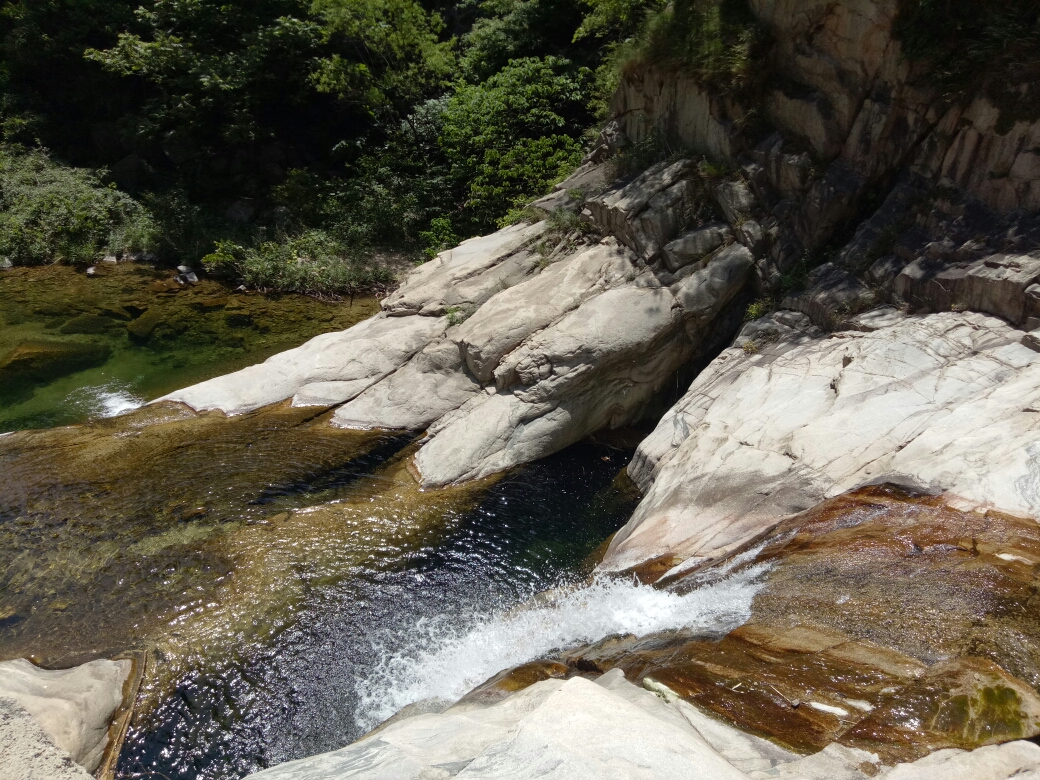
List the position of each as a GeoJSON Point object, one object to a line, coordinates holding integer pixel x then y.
{"type": "Point", "coordinates": [511, 136]}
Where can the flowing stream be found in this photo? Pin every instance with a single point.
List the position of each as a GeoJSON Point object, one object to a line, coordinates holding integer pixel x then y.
{"type": "Point", "coordinates": [289, 583]}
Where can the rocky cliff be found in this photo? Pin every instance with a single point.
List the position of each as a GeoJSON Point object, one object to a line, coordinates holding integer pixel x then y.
{"type": "Point", "coordinates": [868, 429]}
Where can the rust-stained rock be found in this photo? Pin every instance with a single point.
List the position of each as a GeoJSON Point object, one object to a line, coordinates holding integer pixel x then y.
{"type": "Point", "coordinates": [890, 622]}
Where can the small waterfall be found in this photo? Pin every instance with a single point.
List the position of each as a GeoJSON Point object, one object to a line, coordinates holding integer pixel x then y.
{"type": "Point", "coordinates": [446, 656]}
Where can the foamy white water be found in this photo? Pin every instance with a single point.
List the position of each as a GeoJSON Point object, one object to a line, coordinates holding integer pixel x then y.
{"type": "Point", "coordinates": [106, 400]}
{"type": "Point", "coordinates": [445, 657]}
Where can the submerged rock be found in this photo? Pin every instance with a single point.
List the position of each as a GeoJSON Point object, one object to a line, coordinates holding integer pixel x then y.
{"type": "Point", "coordinates": [35, 362]}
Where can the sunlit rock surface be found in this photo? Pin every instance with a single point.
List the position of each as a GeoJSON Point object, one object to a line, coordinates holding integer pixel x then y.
{"type": "Point", "coordinates": [74, 707]}
{"type": "Point", "coordinates": [26, 751]}
{"type": "Point", "coordinates": [945, 401]}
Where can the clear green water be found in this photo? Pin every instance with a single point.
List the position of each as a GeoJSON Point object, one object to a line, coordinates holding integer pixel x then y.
{"type": "Point", "coordinates": [142, 335]}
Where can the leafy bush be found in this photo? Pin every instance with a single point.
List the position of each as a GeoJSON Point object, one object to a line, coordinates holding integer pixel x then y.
{"type": "Point", "coordinates": [50, 212]}
{"type": "Point", "coordinates": [716, 41]}
{"type": "Point", "coordinates": [977, 45]}
{"type": "Point", "coordinates": [513, 135]}
{"type": "Point", "coordinates": [313, 263]}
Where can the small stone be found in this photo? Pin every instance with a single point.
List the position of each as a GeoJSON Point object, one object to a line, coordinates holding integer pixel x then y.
{"type": "Point", "coordinates": [92, 271]}
{"type": "Point", "coordinates": [110, 260]}
{"type": "Point", "coordinates": [5, 264]}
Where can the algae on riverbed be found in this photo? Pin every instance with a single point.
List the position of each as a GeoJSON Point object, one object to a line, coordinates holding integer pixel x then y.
{"type": "Point", "coordinates": [75, 347]}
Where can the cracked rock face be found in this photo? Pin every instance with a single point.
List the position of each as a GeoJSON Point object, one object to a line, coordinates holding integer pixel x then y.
{"type": "Point", "coordinates": [947, 401]}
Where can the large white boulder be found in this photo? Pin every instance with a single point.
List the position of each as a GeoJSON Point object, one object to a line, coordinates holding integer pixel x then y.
{"type": "Point", "coordinates": [508, 318]}
{"type": "Point", "coordinates": [469, 274]}
{"type": "Point", "coordinates": [948, 402]}
{"type": "Point", "coordinates": [74, 707]}
{"type": "Point", "coordinates": [428, 386]}
{"type": "Point", "coordinates": [594, 368]}
{"type": "Point", "coordinates": [329, 369]}
{"type": "Point", "coordinates": [609, 729]}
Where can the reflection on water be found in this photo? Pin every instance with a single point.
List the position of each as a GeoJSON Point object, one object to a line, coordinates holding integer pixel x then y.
{"type": "Point", "coordinates": [308, 690]}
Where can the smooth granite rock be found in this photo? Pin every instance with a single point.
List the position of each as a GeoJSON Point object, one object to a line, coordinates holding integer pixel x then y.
{"type": "Point", "coordinates": [511, 316]}
{"type": "Point", "coordinates": [696, 245]}
{"type": "Point", "coordinates": [609, 729]}
{"type": "Point", "coordinates": [329, 369]}
{"type": "Point", "coordinates": [594, 368]}
{"type": "Point", "coordinates": [466, 276]}
{"type": "Point", "coordinates": [429, 385]}
{"type": "Point", "coordinates": [950, 402]}
{"type": "Point", "coordinates": [74, 707]}
{"type": "Point", "coordinates": [27, 752]}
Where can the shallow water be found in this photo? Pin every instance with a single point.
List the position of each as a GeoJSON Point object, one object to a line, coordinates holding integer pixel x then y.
{"type": "Point", "coordinates": [322, 681]}
{"type": "Point", "coordinates": [139, 335]}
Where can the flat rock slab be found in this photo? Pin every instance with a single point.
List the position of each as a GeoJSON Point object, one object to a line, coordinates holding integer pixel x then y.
{"type": "Point", "coordinates": [74, 707]}
{"type": "Point", "coordinates": [945, 401]}
{"type": "Point", "coordinates": [327, 370]}
{"type": "Point", "coordinates": [889, 621]}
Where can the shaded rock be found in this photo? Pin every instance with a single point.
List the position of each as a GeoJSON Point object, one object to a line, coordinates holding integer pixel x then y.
{"type": "Point", "coordinates": [996, 285]}
{"type": "Point", "coordinates": [943, 400]}
{"type": "Point", "coordinates": [646, 213]}
{"type": "Point", "coordinates": [833, 295]}
{"type": "Point", "coordinates": [735, 200]}
{"type": "Point", "coordinates": [788, 174]}
{"type": "Point", "coordinates": [883, 272]}
{"type": "Point", "coordinates": [830, 203]}
{"type": "Point", "coordinates": [809, 115]}
{"type": "Point", "coordinates": [695, 245]}
{"type": "Point", "coordinates": [428, 386]}
{"type": "Point", "coordinates": [74, 707]}
{"type": "Point", "coordinates": [466, 276]}
{"type": "Point", "coordinates": [751, 235]}
{"type": "Point", "coordinates": [329, 369]}
{"type": "Point", "coordinates": [511, 316]}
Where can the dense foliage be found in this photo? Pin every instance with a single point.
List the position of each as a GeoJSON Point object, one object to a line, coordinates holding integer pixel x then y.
{"type": "Point", "coordinates": [53, 212]}
{"type": "Point", "coordinates": [992, 46]}
{"type": "Point", "coordinates": [288, 128]}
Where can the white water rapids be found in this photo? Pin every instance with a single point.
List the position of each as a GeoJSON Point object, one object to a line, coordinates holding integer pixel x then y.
{"type": "Point", "coordinates": [447, 656]}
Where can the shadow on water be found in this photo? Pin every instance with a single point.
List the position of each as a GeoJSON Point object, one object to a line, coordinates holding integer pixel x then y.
{"type": "Point", "coordinates": [299, 695]}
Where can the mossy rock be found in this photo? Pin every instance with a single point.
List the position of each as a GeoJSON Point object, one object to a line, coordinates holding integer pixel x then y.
{"type": "Point", "coordinates": [143, 327]}
{"type": "Point", "coordinates": [91, 324]}
{"type": "Point", "coordinates": [36, 362]}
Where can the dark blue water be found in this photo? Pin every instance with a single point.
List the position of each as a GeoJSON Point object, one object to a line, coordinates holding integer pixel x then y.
{"type": "Point", "coordinates": [298, 696]}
